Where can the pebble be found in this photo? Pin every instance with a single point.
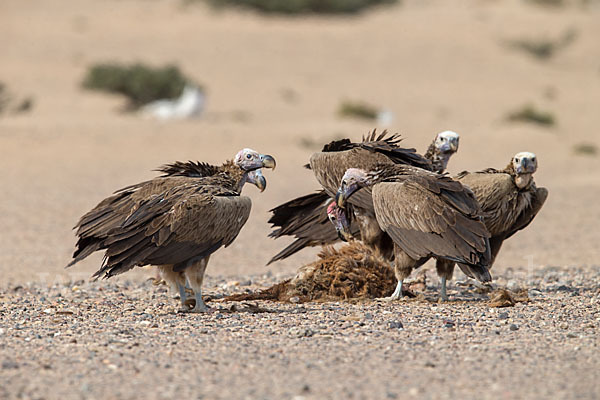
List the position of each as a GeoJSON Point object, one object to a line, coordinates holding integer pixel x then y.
{"type": "Point", "coordinates": [300, 332]}
{"type": "Point", "coordinates": [395, 325]}
{"type": "Point", "coordinates": [514, 327]}
{"type": "Point", "coordinates": [449, 324]}
{"type": "Point", "coordinates": [503, 315]}
{"type": "Point", "coordinates": [563, 325]}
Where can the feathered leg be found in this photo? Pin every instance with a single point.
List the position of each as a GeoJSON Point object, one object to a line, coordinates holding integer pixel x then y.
{"type": "Point", "coordinates": [195, 276]}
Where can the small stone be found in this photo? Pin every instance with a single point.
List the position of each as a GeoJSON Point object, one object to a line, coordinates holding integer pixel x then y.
{"type": "Point", "coordinates": [563, 325]}
{"type": "Point", "coordinates": [295, 299]}
{"type": "Point", "coordinates": [48, 311]}
{"type": "Point", "coordinates": [512, 285]}
{"type": "Point", "coordinates": [514, 327]}
{"type": "Point", "coordinates": [449, 324]}
{"type": "Point", "coordinates": [571, 335]}
{"type": "Point", "coordinates": [301, 332]}
{"type": "Point", "coordinates": [9, 365]}
{"type": "Point", "coordinates": [395, 325]}
{"type": "Point", "coordinates": [503, 315]}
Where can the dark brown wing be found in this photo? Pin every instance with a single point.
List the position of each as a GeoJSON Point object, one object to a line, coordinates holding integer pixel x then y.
{"type": "Point", "coordinates": [385, 144]}
{"type": "Point", "coordinates": [498, 197]}
{"type": "Point", "coordinates": [178, 226]}
{"type": "Point", "coordinates": [190, 169]}
{"type": "Point", "coordinates": [306, 219]}
{"type": "Point", "coordinates": [538, 199]}
{"type": "Point", "coordinates": [433, 215]}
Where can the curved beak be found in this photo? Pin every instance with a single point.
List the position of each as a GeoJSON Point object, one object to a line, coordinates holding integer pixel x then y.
{"type": "Point", "coordinates": [268, 161]}
{"type": "Point", "coordinates": [261, 183]}
{"type": "Point", "coordinates": [454, 146]}
{"type": "Point", "coordinates": [340, 198]}
{"type": "Point", "coordinates": [257, 179]}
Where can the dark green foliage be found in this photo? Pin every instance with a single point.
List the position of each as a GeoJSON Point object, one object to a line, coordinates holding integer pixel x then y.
{"type": "Point", "coordinates": [529, 113]}
{"type": "Point", "coordinates": [303, 6]}
{"type": "Point", "coordinates": [548, 3]}
{"type": "Point", "coordinates": [586, 149]}
{"type": "Point", "coordinates": [139, 83]}
{"type": "Point", "coordinates": [544, 49]}
{"type": "Point", "coordinates": [357, 110]}
{"type": "Point", "coordinates": [11, 104]}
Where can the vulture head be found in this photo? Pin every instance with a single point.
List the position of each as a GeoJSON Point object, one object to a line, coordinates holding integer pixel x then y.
{"type": "Point", "coordinates": [447, 142]}
{"type": "Point", "coordinates": [249, 160]}
{"type": "Point", "coordinates": [338, 218]}
{"type": "Point", "coordinates": [252, 161]}
{"type": "Point", "coordinates": [439, 152]}
{"type": "Point", "coordinates": [352, 180]}
{"type": "Point", "coordinates": [524, 164]}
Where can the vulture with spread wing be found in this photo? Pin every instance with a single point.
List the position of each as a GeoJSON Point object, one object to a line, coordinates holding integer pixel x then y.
{"type": "Point", "coordinates": [508, 198]}
{"type": "Point", "coordinates": [306, 218]}
{"type": "Point", "coordinates": [425, 215]}
{"type": "Point", "coordinates": [175, 221]}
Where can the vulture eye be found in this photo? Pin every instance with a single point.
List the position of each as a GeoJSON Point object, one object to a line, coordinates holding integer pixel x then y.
{"type": "Point", "coordinates": [533, 159]}
{"type": "Point", "coordinates": [332, 218]}
{"type": "Point", "coordinates": [248, 156]}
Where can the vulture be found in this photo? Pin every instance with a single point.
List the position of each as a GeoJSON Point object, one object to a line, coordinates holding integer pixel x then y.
{"type": "Point", "coordinates": [306, 217]}
{"type": "Point", "coordinates": [509, 200]}
{"type": "Point", "coordinates": [425, 214]}
{"type": "Point", "coordinates": [175, 221]}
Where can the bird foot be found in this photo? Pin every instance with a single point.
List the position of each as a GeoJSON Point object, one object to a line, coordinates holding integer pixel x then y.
{"type": "Point", "coordinates": [200, 310]}
{"type": "Point", "coordinates": [389, 299]}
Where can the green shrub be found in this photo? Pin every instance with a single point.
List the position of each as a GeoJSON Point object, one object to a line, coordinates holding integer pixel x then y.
{"type": "Point", "coordinates": [529, 113]}
{"type": "Point", "coordinates": [548, 3]}
{"type": "Point", "coordinates": [357, 110]}
{"type": "Point", "coordinates": [139, 83]}
{"type": "Point", "coordinates": [586, 149]}
{"type": "Point", "coordinates": [544, 49]}
{"type": "Point", "coordinates": [11, 104]}
{"type": "Point", "coordinates": [303, 6]}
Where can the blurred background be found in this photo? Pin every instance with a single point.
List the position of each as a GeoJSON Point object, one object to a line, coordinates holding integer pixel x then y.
{"type": "Point", "coordinates": [79, 117]}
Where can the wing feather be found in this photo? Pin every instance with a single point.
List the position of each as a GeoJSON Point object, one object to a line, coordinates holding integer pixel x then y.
{"type": "Point", "coordinates": [429, 216]}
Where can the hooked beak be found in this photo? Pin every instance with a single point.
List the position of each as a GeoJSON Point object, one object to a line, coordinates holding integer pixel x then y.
{"type": "Point", "coordinates": [340, 199]}
{"type": "Point", "coordinates": [453, 146]}
{"type": "Point", "coordinates": [257, 179]}
{"type": "Point", "coordinates": [268, 161]}
{"type": "Point", "coordinates": [261, 183]}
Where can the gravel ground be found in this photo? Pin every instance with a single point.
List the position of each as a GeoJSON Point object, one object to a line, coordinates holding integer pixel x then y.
{"type": "Point", "coordinates": [126, 340]}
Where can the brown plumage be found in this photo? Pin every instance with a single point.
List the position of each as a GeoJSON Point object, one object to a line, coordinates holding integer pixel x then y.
{"type": "Point", "coordinates": [175, 221]}
{"type": "Point", "coordinates": [508, 198]}
{"type": "Point", "coordinates": [306, 218]}
{"type": "Point", "coordinates": [425, 214]}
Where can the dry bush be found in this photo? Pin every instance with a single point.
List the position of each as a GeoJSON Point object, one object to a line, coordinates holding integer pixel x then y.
{"type": "Point", "coordinates": [302, 6]}
{"type": "Point", "coordinates": [139, 83]}
{"type": "Point", "coordinates": [357, 110]}
{"type": "Point", "coordinates": [530, 114]}
{"type": "Point", "coordinates": [586, 149]}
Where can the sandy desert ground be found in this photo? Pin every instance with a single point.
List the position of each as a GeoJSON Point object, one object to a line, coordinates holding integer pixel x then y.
{"type": "Point", "coordinates": [274, 84]}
